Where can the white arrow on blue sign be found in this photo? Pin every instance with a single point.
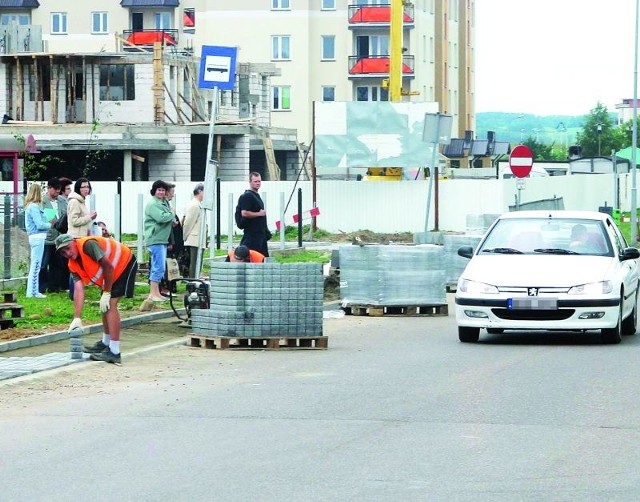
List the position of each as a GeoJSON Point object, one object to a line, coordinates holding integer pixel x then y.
{"type": "Point", "coordinates": [218, 67]}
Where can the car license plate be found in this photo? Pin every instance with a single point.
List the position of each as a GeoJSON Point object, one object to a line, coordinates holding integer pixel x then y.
{"type": "Point", "coordinates": [532, 303]}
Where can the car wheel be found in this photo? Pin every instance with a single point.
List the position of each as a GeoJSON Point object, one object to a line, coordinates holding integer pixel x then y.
{"type": "Point", "coordinates": [613, 335]}
{"type": "Point", "coordinates": [468, 335]}
{"type": "Point", "coordinates": [630, 324]}
{"type": "Point", "coordinates": [495, 331]}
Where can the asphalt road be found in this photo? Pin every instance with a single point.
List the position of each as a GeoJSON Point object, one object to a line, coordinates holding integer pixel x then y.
{"type": "Point", "coordinates": [396, 410]}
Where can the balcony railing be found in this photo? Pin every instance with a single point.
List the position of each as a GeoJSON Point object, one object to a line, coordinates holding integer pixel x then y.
{"type": "Point", "coordinates": [377, 65]}
{"type": "Point", "coordinates": [146, 38]}
{"type": "Point", "coordinates": [376, 14]}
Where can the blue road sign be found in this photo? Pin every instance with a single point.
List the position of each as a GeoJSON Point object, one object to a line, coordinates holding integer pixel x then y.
{"type": "Point", "coordinates": [218, 67]}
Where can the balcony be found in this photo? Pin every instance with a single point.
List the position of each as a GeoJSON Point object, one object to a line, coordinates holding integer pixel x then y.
{"type": "Point", "coordinates": [146, 38]}
{"type": "Point", "coordinates": [376, 15]}
{"type": "Point", "coordinates": [367, 66]}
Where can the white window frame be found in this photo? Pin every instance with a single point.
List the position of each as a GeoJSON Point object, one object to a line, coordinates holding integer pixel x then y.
{"type": "Point", "coordinates": [278, 48]}
{"type": "Point", "coordinates": [328, 5]}
{"type": "Point", "coordinates": [332, 56]}
{"type": "Point", "coordinates": [277, 92]}
{"type": "Point", "coordinates": [328, 87]}
{"type": "Point", "coordinates": [280, 4]}
{"type": "Point", "coordinates": [62, 21]}
{"type": "Point", "coordinates": [8, 17]}
{"type": "Point", "coordinates": [102, 17]}
{"type": "Point", "coordinates": [159, 19]}
{"type": "Point", "coordinates": [378, 90]}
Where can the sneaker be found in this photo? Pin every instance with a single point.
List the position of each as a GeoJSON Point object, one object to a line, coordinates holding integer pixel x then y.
{"type": "Point", "coordinates": [39, 295]}
{"type": "Point", "coordinates": [96, 348]}
{"type": "Point", "coordinates": [107, 356]}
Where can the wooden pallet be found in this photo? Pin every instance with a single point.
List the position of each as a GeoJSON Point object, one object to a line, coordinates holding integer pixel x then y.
{"type": "Point", "coordinates": [258, 343]}
{"type": "Point", "coordinates": [9, 309]}
{"type": "Point", "coordinates": [9, 296]}
{"type": "Point", "coordinates": [395, 310]}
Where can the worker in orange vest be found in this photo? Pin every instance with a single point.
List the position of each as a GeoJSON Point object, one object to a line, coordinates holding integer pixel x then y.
{"type": "Point", "coordinates": [112, 267]}
{"type": "Point", "coordinates": [244, 254]}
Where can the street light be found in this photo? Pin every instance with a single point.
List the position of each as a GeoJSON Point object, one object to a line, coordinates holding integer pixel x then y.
{"type": "Point", "coordinates": [599, 131]}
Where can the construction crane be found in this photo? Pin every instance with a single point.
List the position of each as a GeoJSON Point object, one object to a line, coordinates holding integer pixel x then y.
{"type": "Point", "coordinates": [394, 83]}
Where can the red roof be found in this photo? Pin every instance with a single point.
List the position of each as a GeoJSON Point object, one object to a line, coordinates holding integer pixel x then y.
{"type": "Point", "coordinates": [376, 14]}
{"type": "Point", "coordinates": [375, 65]}
{"type": "Point", "coordinates": [149, 37]}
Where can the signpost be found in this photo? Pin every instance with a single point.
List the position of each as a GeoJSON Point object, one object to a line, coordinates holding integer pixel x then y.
{"type": "Point", "coordinates": [520, 163]}
{"type": "Point", "coordinates": [217, 71]}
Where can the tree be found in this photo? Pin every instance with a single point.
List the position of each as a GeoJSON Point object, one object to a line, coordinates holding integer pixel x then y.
{"type": "Point", "coordinates": [599, 135]}
{"type": "Point", "coordinates": [540, 150]}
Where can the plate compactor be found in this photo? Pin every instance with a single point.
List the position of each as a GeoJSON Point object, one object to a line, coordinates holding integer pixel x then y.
{"type": "Point", "coordinates": [196, 297]}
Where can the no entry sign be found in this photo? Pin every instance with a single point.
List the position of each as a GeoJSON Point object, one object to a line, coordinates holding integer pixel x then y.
{"type": "Point", "coordinates": [521, 161]}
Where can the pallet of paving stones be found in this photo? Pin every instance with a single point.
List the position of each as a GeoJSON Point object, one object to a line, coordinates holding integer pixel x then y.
{"type": "Point", "coordinates": [9, 309]}
{"type": "Point", "coordinates": [258, 343]}
{"type": "Point", "coordinates": [396, 310]}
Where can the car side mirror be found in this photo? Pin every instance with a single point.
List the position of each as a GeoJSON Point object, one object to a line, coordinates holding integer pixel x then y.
{"type": "Point", "coordinates": [630, 254]}
{"type": "Point", "coordinates": [465, 251]}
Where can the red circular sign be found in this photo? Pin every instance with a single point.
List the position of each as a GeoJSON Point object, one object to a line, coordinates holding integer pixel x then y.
{"type": "Point", "coordinates": [521, 161]}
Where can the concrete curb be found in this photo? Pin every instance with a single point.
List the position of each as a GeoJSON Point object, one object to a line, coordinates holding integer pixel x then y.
{"type": "Point", "coordinates": [94, 328]}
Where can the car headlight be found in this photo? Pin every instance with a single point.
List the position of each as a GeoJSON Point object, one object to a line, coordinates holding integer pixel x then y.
{"type": "Point", "coordinates": [467, 286]}
{"type": "Point", "coordinates": [593, 288]}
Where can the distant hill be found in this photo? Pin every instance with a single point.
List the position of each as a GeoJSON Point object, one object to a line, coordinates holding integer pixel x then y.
{"type": "Point", "coordinates": [517, 127]}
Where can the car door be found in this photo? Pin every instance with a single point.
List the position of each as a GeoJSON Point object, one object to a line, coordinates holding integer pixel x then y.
{"type": "Point", "coordinates": [628, 268]}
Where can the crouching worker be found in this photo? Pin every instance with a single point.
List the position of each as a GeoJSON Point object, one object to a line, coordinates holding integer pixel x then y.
{"type": "Point", "coordinates": [243, 254]}
{"type": "Point", "coordinates": [112, 267]}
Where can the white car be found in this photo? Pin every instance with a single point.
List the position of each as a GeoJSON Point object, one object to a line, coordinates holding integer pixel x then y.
{"type": "Point", "coordinates": [549, 270]}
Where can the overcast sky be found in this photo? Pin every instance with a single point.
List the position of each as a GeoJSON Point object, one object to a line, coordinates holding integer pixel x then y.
{"type": "Point", "coordinates": [553, 57]}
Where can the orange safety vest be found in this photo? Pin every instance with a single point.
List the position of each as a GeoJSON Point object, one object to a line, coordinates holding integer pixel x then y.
{"type": "Point", "coordinates": [254, 256]}
{"type": "Point", "coordinates": [89, 270]}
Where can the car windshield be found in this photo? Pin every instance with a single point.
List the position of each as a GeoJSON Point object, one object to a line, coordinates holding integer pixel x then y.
{"type": "Point", "coordinates": [557, 236]}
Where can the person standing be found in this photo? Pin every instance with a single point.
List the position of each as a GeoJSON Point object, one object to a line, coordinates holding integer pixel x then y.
{"type": "Point", "coordinates": [50, 271]}
{"type": "Point", "coordinates": [79, 218]}
{"type": "Point", "coordinates": [256, 233]}
{"type": "Point", "coordinates": [66, 186]}
{"type": "Point", "coordinates": [191, 229]}
{"type": "Point", "coordinates": [112, 267]}
{"type": "Point", "coordinates": [175, 247]}
{"type": "Point", "coordinates": [158, 220]}
{"type": "Point", "coordinates": [37, 227]}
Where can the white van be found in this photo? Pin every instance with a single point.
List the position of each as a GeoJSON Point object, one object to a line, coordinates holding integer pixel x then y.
{"type": "Point", "coordinates": [536, 171]}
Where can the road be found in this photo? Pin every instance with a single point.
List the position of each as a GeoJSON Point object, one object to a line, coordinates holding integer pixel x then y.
{"type": "Point", "coordinates": [396, 410]}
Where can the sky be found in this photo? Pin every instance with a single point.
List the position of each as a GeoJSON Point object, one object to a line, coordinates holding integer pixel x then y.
{"type": "Point", "coordinates": [553, 57]}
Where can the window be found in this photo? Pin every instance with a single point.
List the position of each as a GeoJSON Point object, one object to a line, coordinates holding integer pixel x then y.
{"type": "Point", "coordinates": [280, 5]}
{"type": "Point", "coordinates": [280, 47]}
{"type": "Point", "coordinates": [58, 23]}
{"type": "Point", "coordinates": [117, 82]}
{"type": "Point", "coordinates": [99, 22]}
{"type": "Point", "coordinates": [162, 20]}
{"type": "Point", "coordinates": [371, 93]}
{"type": "Point", "coordinates": [21, 19]}
{"type": "Point", "coordinates": [328, 4]}
{"type": "Point", "coordinates": [281, 97]}
{"type": "Point", "coordinates": [189, 21]}
{"type": "Point", "coordinates": [328, 47]}
{"type": "Point", "coordinates": [328, 93]}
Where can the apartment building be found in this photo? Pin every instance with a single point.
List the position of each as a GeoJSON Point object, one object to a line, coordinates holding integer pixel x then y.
{"type": "Point", "coordinates": [338, 50]}
{"type": "Point", "coordinates": [120, 77]}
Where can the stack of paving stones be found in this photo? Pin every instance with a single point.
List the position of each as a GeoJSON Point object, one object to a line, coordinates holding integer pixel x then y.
{"type": "Point", "coordinates": [454, 263]}
{"type": "Point", "coordinates": [392, 275]}
{"type": "Point", "coordinates": [261, 300]}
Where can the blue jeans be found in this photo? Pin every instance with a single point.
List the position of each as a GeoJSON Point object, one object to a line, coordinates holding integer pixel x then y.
{"type": "Point", "coordinates": [36, 242]}
{"type": "Point", "coordinates": [157, 261]}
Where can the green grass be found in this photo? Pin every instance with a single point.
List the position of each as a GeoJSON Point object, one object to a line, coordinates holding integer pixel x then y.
{"type": "Point", "coordinates": [303, 256]}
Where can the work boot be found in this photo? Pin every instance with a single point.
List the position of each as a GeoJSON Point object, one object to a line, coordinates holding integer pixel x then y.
{"type": "Point", "coordinates": [96, 348]}
{"type": "Point", "coordinates": [107, 356]}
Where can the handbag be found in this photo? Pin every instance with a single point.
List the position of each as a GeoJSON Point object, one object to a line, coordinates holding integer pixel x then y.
{"type": "Point", "coordinates": [173, 270]}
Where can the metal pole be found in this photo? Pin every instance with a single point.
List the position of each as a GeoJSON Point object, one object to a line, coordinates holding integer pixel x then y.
{"type": "Point", "coordinates": [118, 231]}
{"type": "Point", "coordinates": [218, 215]}
{"type": "Point", "coordinates": [634, 140]}
{"type": "Point", "coordinates": [299, 217]}
{"type": "Point", "coordinates": [433, 174]}
{"type": "Point", "coordinates": [7, 237]}
{"type": "Point", "coordinates": [282, 225]}
{"type": "Point", "coordinates": [140, 249]}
